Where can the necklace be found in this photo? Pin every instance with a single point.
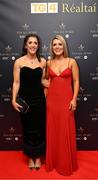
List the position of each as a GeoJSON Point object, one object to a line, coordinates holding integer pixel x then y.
{"type": "Point", "coordinates": [32, 61]}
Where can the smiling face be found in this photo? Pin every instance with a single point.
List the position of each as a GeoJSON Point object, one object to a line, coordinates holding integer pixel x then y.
{"type": "Point", "coordinates": [32, 45]}
{"type": "Point", "coordinates": [57, 47]}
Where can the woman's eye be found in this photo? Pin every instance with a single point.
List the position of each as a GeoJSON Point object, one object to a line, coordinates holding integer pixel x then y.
{"type": "Point", "coordinates": [60, 44]}
{"type": "Point", "coordinates": [30, 42]}
{"type": "Point", "coordinates": [54, 44]}
{"type": "Point", "coordinates": [57, 44]}
{"type": "Point", "coordinates": [35, 43]}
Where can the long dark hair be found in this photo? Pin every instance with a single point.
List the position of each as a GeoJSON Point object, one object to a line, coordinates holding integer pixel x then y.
{"type": "Point", "coordinates": [24, 50]}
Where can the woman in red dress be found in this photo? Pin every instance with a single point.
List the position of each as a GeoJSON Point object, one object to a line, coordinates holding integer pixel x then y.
{"type": "Point", "coordinates": [63, 73]}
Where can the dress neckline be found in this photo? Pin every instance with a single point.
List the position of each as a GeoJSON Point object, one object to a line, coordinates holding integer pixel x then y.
{"type": "Point", "coordinates": [31, 68]}
{"type": "Point", "coordinates": [61, 71]}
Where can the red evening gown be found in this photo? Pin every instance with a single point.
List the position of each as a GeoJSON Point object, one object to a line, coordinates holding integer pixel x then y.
{"type": "Point", "coordinates": [61, 151]}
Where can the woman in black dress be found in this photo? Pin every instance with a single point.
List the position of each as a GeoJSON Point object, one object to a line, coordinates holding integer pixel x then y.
{"type": "Point", "coordinates": [28, 73]}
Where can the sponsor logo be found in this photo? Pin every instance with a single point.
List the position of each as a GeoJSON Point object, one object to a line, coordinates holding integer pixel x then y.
{"type": "Point", "coordinates": [44, 7]}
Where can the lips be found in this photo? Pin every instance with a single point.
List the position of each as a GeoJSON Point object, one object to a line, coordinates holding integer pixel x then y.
{"type": "Point", "coordinates": [57, 51]}
{"type": "Point", "coordinates": [32, 49]}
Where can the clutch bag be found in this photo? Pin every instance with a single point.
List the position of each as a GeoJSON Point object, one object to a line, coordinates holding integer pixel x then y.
{"type": "Point", "coordinates": [24, 105]}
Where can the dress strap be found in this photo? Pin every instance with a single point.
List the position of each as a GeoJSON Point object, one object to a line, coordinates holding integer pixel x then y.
{"type": "Point", "coordinates": [47, 67]}
{"type": "Point", "coordinates": [49, 62]}
{"type": "Point", "coordinates": [68, 62]}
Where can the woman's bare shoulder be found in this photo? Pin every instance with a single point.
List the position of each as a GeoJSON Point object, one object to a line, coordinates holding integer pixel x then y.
{"type": "Point", "coordinates": [49, 62]}
{"type": "Point", "coordinates": [19, 61]}
{"type": "Point", "coordinates": [72, 61]}
{"type": "Point", "coordinates": [43, 61]}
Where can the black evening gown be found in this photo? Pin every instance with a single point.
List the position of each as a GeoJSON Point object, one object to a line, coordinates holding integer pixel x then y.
{"type": "Point", "coordinates": [33, 122]}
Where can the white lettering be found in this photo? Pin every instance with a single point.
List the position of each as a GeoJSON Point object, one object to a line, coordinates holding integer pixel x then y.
{"type": "Point", "coordinates": [81, 8]}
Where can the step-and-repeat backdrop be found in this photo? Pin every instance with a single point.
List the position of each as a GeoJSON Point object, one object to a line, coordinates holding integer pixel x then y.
{"type": "Point", "coordinates": [77, 21]}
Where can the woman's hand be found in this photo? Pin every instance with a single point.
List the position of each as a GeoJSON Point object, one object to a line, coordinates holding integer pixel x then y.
{"type": "Point", "coordinates": [73, 105]}
{"type": "Point", "coordinates": [16, 106]}
{"type": "Point", "coordinates": [46, 83]}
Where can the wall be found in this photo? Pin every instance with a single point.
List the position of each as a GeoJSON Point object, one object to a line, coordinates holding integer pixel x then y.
{"type": "Point", "coordinates": [77, 21]}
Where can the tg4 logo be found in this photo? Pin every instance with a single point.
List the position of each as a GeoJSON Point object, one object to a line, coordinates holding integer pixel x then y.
{"type": "Point", "coordinates": [44, 7]}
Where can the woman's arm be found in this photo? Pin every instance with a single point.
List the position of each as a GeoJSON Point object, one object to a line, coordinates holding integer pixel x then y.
{"type": "Point", "coordinates": [75, 76]}
{"type": "Point", "coordinates": [45, 79]}
{"type": "Point", "coordinates": [16, 85]}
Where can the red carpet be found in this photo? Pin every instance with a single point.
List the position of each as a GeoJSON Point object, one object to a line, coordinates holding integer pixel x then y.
{"type": "Point", "coordinates": [13, 165]}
